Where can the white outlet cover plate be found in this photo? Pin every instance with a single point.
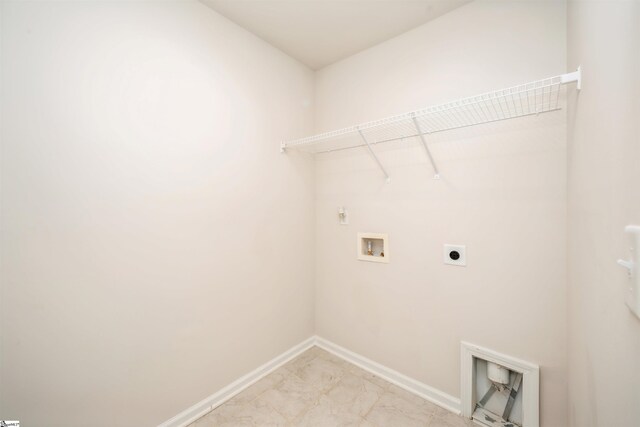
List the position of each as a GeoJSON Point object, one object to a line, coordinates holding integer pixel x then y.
{"type": "Point", "coordinates": [462, 251]}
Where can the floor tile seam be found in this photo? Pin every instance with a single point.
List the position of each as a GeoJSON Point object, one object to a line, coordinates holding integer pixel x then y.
{"type": "Point", "coordinates": [430, 415]}
{"type": "Point", "coordinates": [304, 411]}
{"type": "Point", "coordinates": [374, 404]}
{"type": "Point", "coordinates": [316, 400]}
{"type": "Point", "coordinates": [320, 389]}
{"type": "Point", "coordinates": [254, 398]}
{"type": "Point", "coordinates": [327, 391]}
{"type": "Point", "coordinates": [289, 420]}
{"type": "Point", "coordinates": [296, 375]}
{"type": "Point", "coordinates": [269, 404]}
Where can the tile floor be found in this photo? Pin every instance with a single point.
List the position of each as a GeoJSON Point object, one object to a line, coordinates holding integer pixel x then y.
{"type": "Point", "coordinates": [320, 389]}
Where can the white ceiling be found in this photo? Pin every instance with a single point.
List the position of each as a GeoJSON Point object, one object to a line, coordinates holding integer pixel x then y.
{"type": "Point", "coordinates": [320, 32]}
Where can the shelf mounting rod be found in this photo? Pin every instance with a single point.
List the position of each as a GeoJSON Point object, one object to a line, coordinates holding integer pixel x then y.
{"type": "Point", "coordinates": [426, 147]}
{"type": "Point", "coordinates": [374, 155]}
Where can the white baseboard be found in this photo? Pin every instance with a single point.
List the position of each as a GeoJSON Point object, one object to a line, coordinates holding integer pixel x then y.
{"type": "Point", "coordinates": [418, 388]}
{"type": "Point", "coordinates": [201, 408]}
{"type": "Point", "coordinates": [196, 411]}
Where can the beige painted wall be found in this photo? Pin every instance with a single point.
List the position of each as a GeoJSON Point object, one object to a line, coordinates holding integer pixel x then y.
{"type": "Point", "coordinates": [502, 193]}
{"type": "Point", "coordinates": [603, 179]}
{"type": "Point", "coordinates": [155, 244]}
{"type": "Point", "coordinates": [125, 275]}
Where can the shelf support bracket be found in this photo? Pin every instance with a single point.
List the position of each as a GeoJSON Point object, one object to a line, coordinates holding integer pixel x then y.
{"type": "Point", "coordinates": [426, 147]}
{"type": "Point", "coordinates": [374, 155]}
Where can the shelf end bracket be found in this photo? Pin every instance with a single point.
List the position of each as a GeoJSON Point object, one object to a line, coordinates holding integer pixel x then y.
{"type": "Point", "coordinates": [575, 76]}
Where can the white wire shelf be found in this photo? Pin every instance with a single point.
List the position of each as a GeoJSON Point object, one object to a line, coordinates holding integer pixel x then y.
{"type": "Point", "coordinates": [532, 98]}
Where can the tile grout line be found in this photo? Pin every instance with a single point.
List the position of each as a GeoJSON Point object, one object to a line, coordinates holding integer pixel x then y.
{"type": "Point", "coordinates": [323, 393]}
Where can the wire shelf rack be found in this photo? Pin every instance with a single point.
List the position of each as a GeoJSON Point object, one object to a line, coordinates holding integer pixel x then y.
{"type": "Point", "coordinates": [532, 98]}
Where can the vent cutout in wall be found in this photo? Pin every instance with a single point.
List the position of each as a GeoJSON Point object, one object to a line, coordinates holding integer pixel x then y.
{"type": "Point", "coordinates": [523, 376]}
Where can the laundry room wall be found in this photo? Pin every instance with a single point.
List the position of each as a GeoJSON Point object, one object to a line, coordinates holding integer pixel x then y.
{"type": "Point", "coordinates": [502, 193]}
{"type": "Point", "coordinates": [156, 246]}
{"type": "Point", "coordinates": [604, 148]}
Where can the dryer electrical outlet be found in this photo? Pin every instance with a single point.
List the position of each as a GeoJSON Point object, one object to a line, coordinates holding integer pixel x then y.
{"type": "Point", "coordinates": [455, 255]}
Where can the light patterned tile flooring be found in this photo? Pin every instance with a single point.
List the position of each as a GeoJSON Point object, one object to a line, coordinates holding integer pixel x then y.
{"type": "Point", "coordinates": [322, 390]}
